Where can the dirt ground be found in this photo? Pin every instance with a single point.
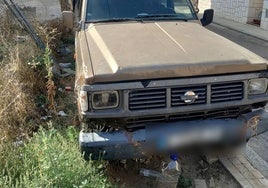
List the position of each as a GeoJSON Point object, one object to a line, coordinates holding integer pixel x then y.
{"type": "Point", "coordinates": [193, 167]}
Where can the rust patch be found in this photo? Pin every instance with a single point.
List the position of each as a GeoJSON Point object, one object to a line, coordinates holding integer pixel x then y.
{"type": "Point", "coordinates": [129, 137]}
{"type": "Point", "coordinates": [253, 124]}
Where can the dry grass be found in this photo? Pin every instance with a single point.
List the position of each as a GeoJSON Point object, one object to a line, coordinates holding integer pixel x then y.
{"type": "Point", "coordinates": [27, 85]}
{"type": "Point", "coordinates": [19, 83]}
{"type": "Point", "coordinates": [27, 90]}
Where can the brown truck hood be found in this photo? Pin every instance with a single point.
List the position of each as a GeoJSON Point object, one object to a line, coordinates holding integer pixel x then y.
{"type": "Point", "coordinates": [133, 51]}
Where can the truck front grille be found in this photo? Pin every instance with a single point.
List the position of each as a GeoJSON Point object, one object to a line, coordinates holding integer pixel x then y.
{"type": "Point", "coordinates": [227, 92]}
{"type": "Point", "coordinates": [215, 114]}
{"type": "Point", "coordinates": [178, 93]}
{"type": "Point", "coordinates": [161, 98]}
{"type": "Point", "coordinates": [147, 99]}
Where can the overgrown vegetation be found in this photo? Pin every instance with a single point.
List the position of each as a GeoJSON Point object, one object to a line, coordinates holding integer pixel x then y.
{"type": "Point", "coordinates": [34, 152]}
{"type": "Point", "coordinates": [19, 83]}
{"type": "Point", "coordinates": [50, 159]}
{"type": "Point", "coordinates": [44, 62]}
{"type": "Point", "coordinates": [27, 86]}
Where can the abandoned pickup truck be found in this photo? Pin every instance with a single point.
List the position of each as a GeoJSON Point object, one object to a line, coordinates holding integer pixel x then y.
{"type": "Point", "coordinates": [150, 78]}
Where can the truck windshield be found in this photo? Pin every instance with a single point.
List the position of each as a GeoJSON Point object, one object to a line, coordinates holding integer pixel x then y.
{"type": "Point", "coordinates": [125, 10]}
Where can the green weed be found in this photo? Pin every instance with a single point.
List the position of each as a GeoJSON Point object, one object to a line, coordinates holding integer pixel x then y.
{"type": "Point", "coordinates": [50, 159]}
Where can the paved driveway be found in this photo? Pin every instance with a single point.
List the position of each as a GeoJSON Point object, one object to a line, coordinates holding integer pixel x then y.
{"type": "Point", "coordinates": [255, 45]}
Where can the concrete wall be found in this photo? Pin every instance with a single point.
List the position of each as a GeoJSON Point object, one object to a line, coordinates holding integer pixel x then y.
{"type": "Point", "coordinates": [43, 10]}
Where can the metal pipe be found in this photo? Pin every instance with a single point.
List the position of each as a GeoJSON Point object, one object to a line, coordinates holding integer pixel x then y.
{"type": "Point", "coordinates": [23, 21]}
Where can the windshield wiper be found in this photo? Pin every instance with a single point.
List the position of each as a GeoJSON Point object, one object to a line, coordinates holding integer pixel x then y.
{"type": "Point", "coordinates": [175, 16]}
{"type": "Point", "coordinates": [115, 20]}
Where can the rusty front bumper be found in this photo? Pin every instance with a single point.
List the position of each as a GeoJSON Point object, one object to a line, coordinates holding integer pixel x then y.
{"type": "Point", "coordinates": [161, 137]}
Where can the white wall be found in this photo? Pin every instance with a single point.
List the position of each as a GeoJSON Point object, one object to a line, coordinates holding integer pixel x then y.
{"type": "Point", "coordinates": [241, 11]}
{"type": "Point", "coordinates": [264, 20]}
{"type": "Point", "coordinates": [203, 5]}
{"type": "Point", "coordinates": [236, 10]}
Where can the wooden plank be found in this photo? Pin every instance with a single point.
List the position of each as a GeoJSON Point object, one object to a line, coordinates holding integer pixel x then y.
{"type": "Point", "coordinates": [244, 172]}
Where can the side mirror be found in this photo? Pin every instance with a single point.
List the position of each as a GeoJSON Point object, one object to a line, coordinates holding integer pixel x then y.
{"type": "Point", "coordinates": [207, 17]}
{"type": "Point", "coordinates": [68, 19]}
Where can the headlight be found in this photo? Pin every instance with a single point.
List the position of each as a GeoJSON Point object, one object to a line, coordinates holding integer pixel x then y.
{"type": "Point", "coordinates": [105, 99]}
{"type": "Point", "coordinates": [257, 86]}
